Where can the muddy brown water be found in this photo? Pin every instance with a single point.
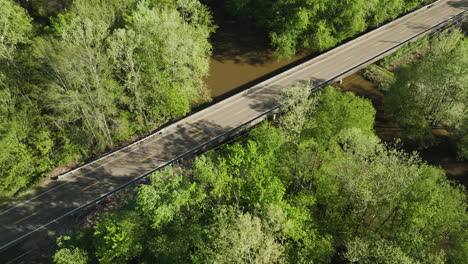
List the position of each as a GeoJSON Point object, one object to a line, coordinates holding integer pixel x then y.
{"type": "Point", "coordinates": [241, 55]}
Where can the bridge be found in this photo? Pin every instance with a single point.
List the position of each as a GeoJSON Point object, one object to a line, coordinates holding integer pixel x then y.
{"type": "Point", "coordinates": [95, 181]}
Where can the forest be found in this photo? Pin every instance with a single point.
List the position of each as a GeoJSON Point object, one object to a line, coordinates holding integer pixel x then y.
{"type": "Point", "coordinates": [294, 191]}
{"type": "Point", "coordinates": [92, 77]}
{"type": "Point", "coordinates": [78, 78]}
{"type": "Point", "coordinates": [315, 25]}
{"type": "Point", "coordinates": [430, 92]}
{"type": "Point", "coordinates": [314, 186]}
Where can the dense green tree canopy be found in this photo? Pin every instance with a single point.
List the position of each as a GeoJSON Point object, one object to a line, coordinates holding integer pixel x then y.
{"type": "Point", "coordinates": [15, 28]}
{"type": "Point", "coordinates": [432, 92]}
{"type": "Point", "coordinates": [292, 197]}
{"type": "Point", "coordinates": [98, 73]}
{"type": "Point", "coordinates": [316, 24]}
{"type": "Point", "coordinates": [24, 140]}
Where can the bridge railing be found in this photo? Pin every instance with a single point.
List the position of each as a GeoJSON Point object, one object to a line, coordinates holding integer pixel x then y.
{"type": "Point", "coordinates": [227, 134]}
{"type": "Point", "coordinates": [233, 131]}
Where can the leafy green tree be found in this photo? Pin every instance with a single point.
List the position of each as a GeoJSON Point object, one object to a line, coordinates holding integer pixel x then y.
{"type": "Point", "coordinates": [242, 238]}
{"type": "Point", "coordinates": [168, 195]}
{"type": "Point", "coordinates": [26, 145]}
{"type": "Point", "coordinates": [70, 256]}
{"type": "Point", "coordinates": [369, 190]}
{"type": "Point", "coordinates": [82, 91]}
{"type": "Point", "coordinates": [431, 92]}
{"type": "Point", "coordinates": [244, 176]}
{"type": "Point", "coordinates": [119, 237]}
{"type": "Point", "coordinates": [297, 106]}
{"type": "Point", "coordinates": [381, 251]}
{"type": "Point", "coordinates": [319, 24]}
{"type": "Point", "coordinates": [26, 152]}
{"type": "Point", "coordinates": [338, 111]}
{"type": "Point", "coordinates": [15, 28]}
{"type": "Point", "coordinates": [176, 211]}
{"type": "Point", "coordinates": [171, 58]}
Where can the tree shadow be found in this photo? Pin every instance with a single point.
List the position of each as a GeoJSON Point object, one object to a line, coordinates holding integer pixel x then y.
{"type": "Point", "coordinates": [194, 135]}
{"type": "Point", "coordinates": [416, 26]}
{"type": "Point", "coordinates": [240, 41]}
{"type": "Point", "coordinates": [266, 97]}
{"type": "Point", "coordinates": [458, 4]}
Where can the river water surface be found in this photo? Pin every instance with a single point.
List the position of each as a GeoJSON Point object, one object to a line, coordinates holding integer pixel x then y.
{"type": "Point", "coordinates": [241, 55]}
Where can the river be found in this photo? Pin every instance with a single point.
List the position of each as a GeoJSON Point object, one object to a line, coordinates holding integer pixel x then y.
{"type": "Point", "coordinates": [241, 55]}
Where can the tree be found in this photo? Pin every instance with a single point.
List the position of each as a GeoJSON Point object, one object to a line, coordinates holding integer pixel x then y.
{"type": "Point", "coordinates": [171, 58]}
{"type": "Point", "coordinates": [297, 107]}
{"type": "Point", "coordinates": [338, 111]}
{"type": "Point", "coordinates": [381, 251]}
{"type": "Point", "coordinates": [294, 25]}
{"type": "Point", "coordinates": [15, 29]}
{"type": "Point", "coordinates": [168, 195]}
{"type": "Point", "coordinates": [365, 189]}
{"type": "Point", "coordinates": [70, 256]}
{"type": "Point", "coordinates": [26, 145]}
{"type": "Point", "coordinates": [242, 238]}
{"type": "Point", "coordinates": [119, 237]}
{"type": "Point", "coordinates": [26, 152]}
{"type": "Point", "coordinates": [245, 176]}
{"type": "Point", "coordinates": [431, 92]}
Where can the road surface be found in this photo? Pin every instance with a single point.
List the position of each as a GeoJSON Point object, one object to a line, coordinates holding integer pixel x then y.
{"type": "Point", "coordinates": [92, 181]}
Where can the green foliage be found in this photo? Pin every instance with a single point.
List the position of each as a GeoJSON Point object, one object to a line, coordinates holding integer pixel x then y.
{"type": "Point", "coordinates": [380, 76]}
{"type": "Point", "coordinates": [26, 153]}
{"type": "Point", "coordinates": [73, 249]}
{"type": "Point", "coordinates": [242, 238]}
{"type": "Point", "coordinates": [381, 251]}
{"type": "Point", "coordinates": [391, 195]}
{"type": "Point", "coordinates": [119, 237]}
{"type": "Point", "coordinates": [164, 65]}
{"type": "Point", "coordinates": [15, 28]}
{"type": "Point", "coordinates": [318, 24]}
{"type": "Point", "coordinates": [432, 92]}
{"type": "Point", "coordinates": [297, 106]}
{"type": "Point", "coordinates": [336, 112]}
{"type": "Point", "coordinates": [70, 256]}
{"type": "Point", "coordinates": [25, 142]}
{"type": "Point", "coordinates": [97, 74]}
{"type": "Point", "coordinates": [167, 196]}
{"type": "Point", "coordinates": [279, 196]}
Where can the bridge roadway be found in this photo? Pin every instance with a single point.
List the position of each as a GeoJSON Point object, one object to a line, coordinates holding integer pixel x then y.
{"type": "Point", "coordinates": [96, 179]}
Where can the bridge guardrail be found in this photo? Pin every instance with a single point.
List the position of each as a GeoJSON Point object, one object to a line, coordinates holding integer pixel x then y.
{"type": "Point", "coordinates": [234, 130]}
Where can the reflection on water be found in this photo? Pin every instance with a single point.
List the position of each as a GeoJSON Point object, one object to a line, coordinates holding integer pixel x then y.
{"type": "Point", "coordinates": [240, 55]}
